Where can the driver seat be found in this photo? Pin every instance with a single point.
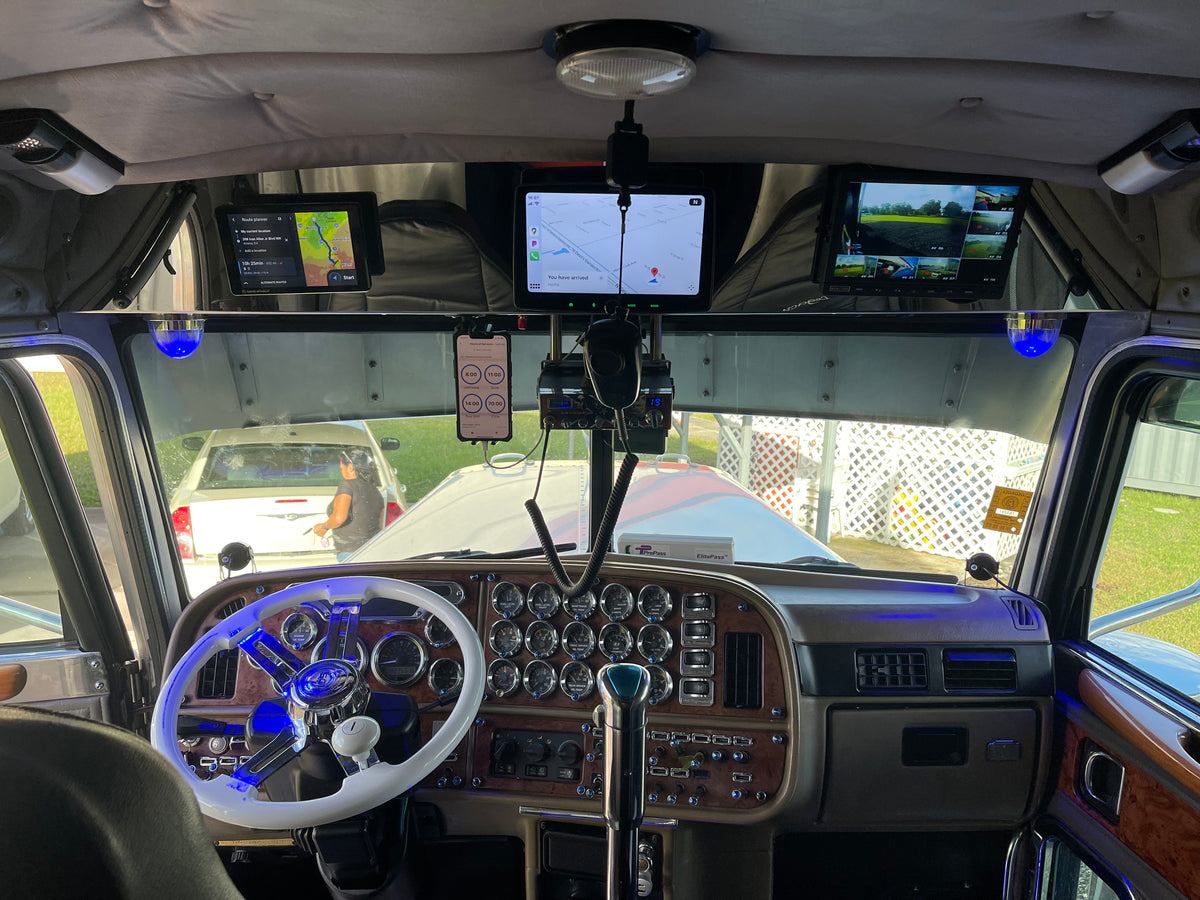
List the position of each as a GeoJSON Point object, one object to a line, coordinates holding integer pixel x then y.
{"type": "Point", "coordinates": [90, 810]}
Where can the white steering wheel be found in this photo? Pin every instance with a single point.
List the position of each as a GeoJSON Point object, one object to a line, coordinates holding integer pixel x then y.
{"type": "Point", "coordinates": [369, 781]}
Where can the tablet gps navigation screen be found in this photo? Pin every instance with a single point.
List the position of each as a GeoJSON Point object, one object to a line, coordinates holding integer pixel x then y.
{"type": "Point", "coordinates": [569, 256]}
{"type": "Point", "coordinates": [295, 247]}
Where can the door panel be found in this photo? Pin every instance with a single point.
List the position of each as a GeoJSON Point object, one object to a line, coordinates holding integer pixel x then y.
{"type": "Point", "coordinates": [1123, 816]}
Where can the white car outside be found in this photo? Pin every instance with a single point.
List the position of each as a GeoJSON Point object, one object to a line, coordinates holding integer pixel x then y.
{"type": "Point", "coordinates": [267, 487]}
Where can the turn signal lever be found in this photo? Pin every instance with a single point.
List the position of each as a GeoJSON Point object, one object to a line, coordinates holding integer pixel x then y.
{"type": "Point", "coordinates": [624, 691]}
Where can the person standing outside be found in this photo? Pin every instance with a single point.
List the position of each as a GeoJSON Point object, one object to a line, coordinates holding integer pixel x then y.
{"type": "Point", "coordinates": [356, 513]}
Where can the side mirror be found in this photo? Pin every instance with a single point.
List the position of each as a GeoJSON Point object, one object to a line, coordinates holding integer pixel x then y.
{"type": "Point", "coordinates": [389, 444]}
{"type": "Point", "coordinates": [193, 442]}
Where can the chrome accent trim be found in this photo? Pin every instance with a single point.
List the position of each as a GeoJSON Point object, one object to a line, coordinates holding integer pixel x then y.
{"type": "Point", "coordinates": [1146, 610]}
{"type": "Point", "coordinates": [492, 637]}
{"type": "Point", "coordinates": [590, 598]}
{"type": "Point", "coordinates": [360, 657]}
{"type": "Point", "coordinates": [623, 594]}
{"type": "Point", "coordinates": [399, 635]}
{"type": "Point", "coordinates": [1163, 702]}
{"type": "Point", "coordinates": [1086, 780]}
{"type": "Point", "coordinates": [548, 813]}
{"type": "Point", "coordinates": [301, 615]}
{"type": "Point", "coordinates": [540, 625]}
{"type": "Point", "coordinates": [492, 599]}
{"type": "Point", "coordinates": [553, 676]}
{"type": "Point", "coordinates": [628, 640]}
{"type": "Point", "coordinates": [496, 663]}
{"type": "Point", "coordinates": [705, 669]}
{"type": "Point", "coordinates": [665, 695]}
{"type": "Point", "coordinates": [429, 638]}
{"type": "Point", "coordinates": [562, 680]}
{"type": "Point", "coordinates": [575, 626]}
{"type": "Point", "coordinates": [441, 663]}
{"type": "Point", "coordinates": [58, 674]}
{"type": "Point", "coordinates": [642, 603]}
{"type": "Point", "coordinates": [541, 588]}
{"type": "Point", "coordinates": [653, 628]}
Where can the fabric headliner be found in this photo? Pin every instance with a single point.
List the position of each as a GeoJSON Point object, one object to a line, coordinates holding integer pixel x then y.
{"type": "Point", "coordinates": [171, 90]}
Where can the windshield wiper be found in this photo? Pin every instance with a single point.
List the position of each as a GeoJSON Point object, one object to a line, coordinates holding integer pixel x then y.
{"type": "Point", "coordinates": [819, 561]}
{"type": "Point", "coordinates": [468, 553]}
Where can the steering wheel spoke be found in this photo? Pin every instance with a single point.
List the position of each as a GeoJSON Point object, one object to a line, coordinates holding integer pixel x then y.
{"type": "Point", "coordinates": [272, 657]}
{"type": "Point", "coordinates": [280, 750]}
{"type": "Point", "coordinates": [324, 702]}
{"type": "Point", "coordinates": [342, 641]}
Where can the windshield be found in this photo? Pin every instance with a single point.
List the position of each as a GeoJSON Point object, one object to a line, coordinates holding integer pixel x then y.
{"type": "Point", "coordinates": [900, 474]}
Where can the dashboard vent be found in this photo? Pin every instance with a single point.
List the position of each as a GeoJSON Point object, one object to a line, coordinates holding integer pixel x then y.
{"type": "Point", "coordinates": [1024, 616]}
{"type": "Point", "coordinates": [980, 671]}
{"type": "Point", "coordinates": [218, 678]}
{"type": "Point", "coordinates": [743, 670]}
{"type": "Point", "coordinates": [230, 608]}
{"type": "Point", "coordinates": [891, 670]}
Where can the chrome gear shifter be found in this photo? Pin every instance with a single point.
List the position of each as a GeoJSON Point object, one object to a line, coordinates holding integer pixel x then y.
{"type": "Point", "coordinates": [624, 691]}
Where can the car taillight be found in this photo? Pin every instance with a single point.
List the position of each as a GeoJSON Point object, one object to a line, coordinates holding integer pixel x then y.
{"type": "Point", "coordinates": [182, 520]}
{"type": "Point", "coordinates": [393, 513]}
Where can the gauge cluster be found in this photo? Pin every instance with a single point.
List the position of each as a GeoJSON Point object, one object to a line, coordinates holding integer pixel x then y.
{"type": "Point", "coordinates": [544, 649]}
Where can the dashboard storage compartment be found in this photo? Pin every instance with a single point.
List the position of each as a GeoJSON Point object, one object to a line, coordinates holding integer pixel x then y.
{"type": "Point", "coordinates": [888, 766]}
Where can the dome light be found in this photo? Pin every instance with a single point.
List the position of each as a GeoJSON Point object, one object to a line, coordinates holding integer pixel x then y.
{"type": "Point", "coordinates": [626, 59]}
{"type": "Point", "coordinates": [1032, 334]}
{"type": "Point", "coordinates": [177, 335]}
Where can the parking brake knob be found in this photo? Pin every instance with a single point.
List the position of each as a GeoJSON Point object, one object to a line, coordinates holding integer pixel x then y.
{"type": "Point", "coordinates": [624, 693]}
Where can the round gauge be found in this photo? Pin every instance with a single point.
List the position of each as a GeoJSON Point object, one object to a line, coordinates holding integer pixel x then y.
{"type": "Point", "coordinates": [299, 630]}
{"type": "Point", "coordinates": [578, 640]}
{"type": "Point", "coordinates": [445, 675]}
{"type": "Point", "coordinates": [654, 603]}
{"type": "Point", "coordinates": [543, 600]}
{"type": "Point", "coordinates": [540, 679]}
{"type": "Point", "coordinates": [661, 684]}
{"type": "Point", "coordinates": [437, 633]}
{"type": "Point", "coordinates": [360, 653]}
{"type": "Point", "coordinates": [398, 659]}
{"type": "Point", "coordinates": [507, 599]}
{"type": "Point", "coordinates": [615, 641]}
{"type": "Point", "coordinates": [654, 643]}
{"type": "Point", "coordinates": [505, 637]}
{"type": "Point", "coordinates": [577, 680]}
{"type": "Point", "coordinates": [581, 607]}
{"type": "Point", "coordinates": [503, 678]}
{"type": "Point", "coordinates": [541, 639]}
{"type": "Point", "coordinates": [616, 602]}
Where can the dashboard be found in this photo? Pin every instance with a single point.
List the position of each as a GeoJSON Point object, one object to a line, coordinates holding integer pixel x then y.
{"type": "Point", "coordinates": [823, 699]}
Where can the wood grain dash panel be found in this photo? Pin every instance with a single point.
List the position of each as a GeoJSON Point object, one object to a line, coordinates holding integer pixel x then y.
{"type": "Point", "coordinates": [1155, 824]}
{"type": "Point", "coordinates": [13, 678]}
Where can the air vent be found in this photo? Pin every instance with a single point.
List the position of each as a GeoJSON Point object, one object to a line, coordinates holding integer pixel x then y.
{"type": "Point", "coordinates": [743, 670]}
{"type": "Point", "coordinates": [218, 678]}
{"type": "Point", "coordinates": [891, 670]}
{"type": "Point", "coordinates": [980, 671]}
{"type": "Point", "coordinates": [230, 608]}
{"type": "Point", "coordinates": [1024, 616]}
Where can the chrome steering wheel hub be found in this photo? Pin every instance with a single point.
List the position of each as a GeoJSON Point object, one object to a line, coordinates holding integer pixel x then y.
{"type": "Point", "coordinates": [325, 694]}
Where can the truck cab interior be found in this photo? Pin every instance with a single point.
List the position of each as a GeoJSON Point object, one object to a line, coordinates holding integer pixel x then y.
{"type": "Point", "coordinates": [671, 451]}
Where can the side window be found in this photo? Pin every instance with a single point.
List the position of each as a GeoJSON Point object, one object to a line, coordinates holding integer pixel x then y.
{"type": "Point", "coordinates": [1148, 584]}
{"type": "Point", "coordinates": [1066, 877]}
{"type": "Point", "coordinates": [29, 606]}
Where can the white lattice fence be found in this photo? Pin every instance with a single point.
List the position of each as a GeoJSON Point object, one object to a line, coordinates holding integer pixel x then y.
{"type": "Point", "coordinates": [907, 485]}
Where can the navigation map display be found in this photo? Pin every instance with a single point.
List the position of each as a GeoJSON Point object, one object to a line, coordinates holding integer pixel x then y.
{"type": "Point", "coordinates": [909, 233]}
{"type": "Point", "coordinates": [297, 247]}
{"type": "Point", "coordinates": [568, 249]}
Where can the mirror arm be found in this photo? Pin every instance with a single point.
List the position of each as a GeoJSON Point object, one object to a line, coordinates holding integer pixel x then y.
{"type": "Point", "coordinates": [1143, 612]}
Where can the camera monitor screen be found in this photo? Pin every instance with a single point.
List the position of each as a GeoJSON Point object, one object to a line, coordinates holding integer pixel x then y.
{"type": "Point", "coordinates": [916, 233]}
{"type": "Point", "coordinates": [568, 254]}
{"type": "Point", "coordinates": [302, 244]}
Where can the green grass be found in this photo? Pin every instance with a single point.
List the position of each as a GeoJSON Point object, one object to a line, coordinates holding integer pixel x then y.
{"type": "Point", "coordinates": [1151, 553]}
{"type": "Point", "coordinates": [923, 220]}
{"type": "Point", "coordinates": [64, 415]}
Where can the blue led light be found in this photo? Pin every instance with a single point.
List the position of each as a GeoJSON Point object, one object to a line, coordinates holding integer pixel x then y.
{"type": "Point", "coordinates": [177, 336]}
{"type": "Point", "coordinates": [1032, 334]}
